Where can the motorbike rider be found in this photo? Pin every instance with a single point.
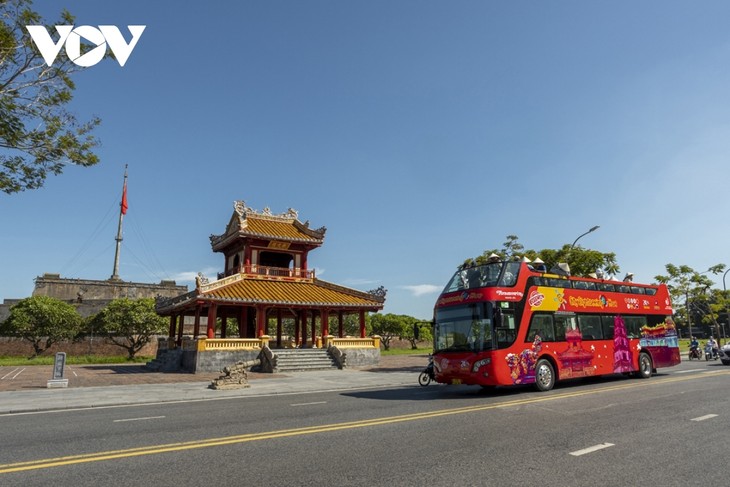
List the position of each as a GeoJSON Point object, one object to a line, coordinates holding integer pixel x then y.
{"type": "Point", "coordinates": [712, 347]}
{"type": "Point", "coordinates": [694, 348]}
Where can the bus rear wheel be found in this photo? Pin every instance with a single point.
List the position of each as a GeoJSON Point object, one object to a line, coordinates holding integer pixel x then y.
{"type": "Point", "coordinates": [645, 366]}
{"type": "Point", "coordinates": [544, 375]}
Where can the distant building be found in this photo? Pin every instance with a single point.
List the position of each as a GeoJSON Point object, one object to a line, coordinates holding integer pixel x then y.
{"type": "Point", "coordinates": [91, 296]}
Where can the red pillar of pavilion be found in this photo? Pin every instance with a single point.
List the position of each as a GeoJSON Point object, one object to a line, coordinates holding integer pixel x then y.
{"type": "Point", "coordinates": [212, 310]}
{"type": "Point", "coordinates": [325, 323]}
{"type": "Point", "coordinates": [297, 335]}
{"type": "Point", "coordinates": [181, 325]}
{"type": "Point", "coordinates": [278, 328]}
{"type": "Point", "coordinates": [242, 320]}
{"type": "Point", "coordinates": [173, 322]}
{"type": "Point", "coordinates": [196, 327]}
{"type": "Point", "coordinates": [362, 323]}
{"type": "Point", "coordinates": [260, 321]}
{"type": "Point", "coordinates": [304, 328]}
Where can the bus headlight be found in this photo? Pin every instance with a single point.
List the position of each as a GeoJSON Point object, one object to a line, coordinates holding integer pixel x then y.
{"type": "Point", "coordinates": [481, 363]}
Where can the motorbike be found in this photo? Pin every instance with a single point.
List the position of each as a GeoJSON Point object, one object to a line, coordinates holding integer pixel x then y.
{"type": "Point", "coordinates": [710, 352]}
{"type": "Point", "coordinates": [425, 377]}
{"type": "Point", "coordinates": [695, 353]}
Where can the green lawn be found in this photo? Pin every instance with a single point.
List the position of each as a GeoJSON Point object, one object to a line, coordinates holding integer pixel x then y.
{"type": "Point", "coordinates": [406, 351]}
{"type": "Point", "coordinates": [72, 360]}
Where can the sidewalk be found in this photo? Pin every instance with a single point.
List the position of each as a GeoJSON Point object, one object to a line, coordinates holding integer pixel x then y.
{"type": "Point", "coordinates": [23, 390]}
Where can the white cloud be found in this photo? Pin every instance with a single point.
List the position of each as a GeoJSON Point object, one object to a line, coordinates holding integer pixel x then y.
{"type": "Point", "coordinates": [422, 289]}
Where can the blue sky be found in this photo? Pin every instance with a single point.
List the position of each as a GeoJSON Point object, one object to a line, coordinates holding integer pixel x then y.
{"type": "Point", "coordinates": [420, 133]}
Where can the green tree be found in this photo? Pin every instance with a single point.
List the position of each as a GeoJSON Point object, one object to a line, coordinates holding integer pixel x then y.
{"type": "Point", "coordinates": [130, 323]}
{"type": "Point", "coordinates": [38, 135]}
{"type": "Point", "coordinates": [43, 321]}
{"type": "Point", "coordinates": [582, 261]}
{"type": "Point", "coordinates": [389, 326]}
{"type": "Point", "coordinates": [423, 335]}
{"type": "Point", "coordinates": [699, 303]}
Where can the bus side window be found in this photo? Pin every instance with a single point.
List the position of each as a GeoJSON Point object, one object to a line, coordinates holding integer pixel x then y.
{"type": "Point", "coordinates": [634, 325]}
{"type": "Point", "coordinates": [541, 325]}
{"type": "Point", "coordinates": [562, 325]}
{"type": "Point", "coordinates": [590, 327]}
{"type": "Point", "coordinates": [607, 322]}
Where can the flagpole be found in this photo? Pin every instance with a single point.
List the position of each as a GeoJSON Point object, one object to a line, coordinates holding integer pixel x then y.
{"type": "Point", "coordinates": [122, 211]}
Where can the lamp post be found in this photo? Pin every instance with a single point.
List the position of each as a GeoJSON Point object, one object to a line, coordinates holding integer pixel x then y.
{"type": "Point", "coordinates": [592, 229]}
{"type": "Point", "coordinates": [724, 295]}
{"type": "Point", "coordinates": [570, 250]}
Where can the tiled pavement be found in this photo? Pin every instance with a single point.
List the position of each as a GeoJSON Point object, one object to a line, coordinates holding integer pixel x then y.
{"type": "Point", "coordinates": [24, 389]}
{"type": "Point", "coordinates": [17, 378]}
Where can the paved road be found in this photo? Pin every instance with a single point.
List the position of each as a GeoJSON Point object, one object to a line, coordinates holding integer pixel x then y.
{"type": "Point", "coordinates": [614, 431]}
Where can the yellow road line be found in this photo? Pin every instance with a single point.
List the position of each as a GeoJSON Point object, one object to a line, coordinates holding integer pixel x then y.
{"type": "Point", "coordinates": [229, 440]}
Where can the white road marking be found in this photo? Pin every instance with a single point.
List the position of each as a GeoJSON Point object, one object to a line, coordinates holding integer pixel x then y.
{"type": "Point", "coordinates": [9, 373]}
{"type": "Point", "coordinates": [20, 372]}
{"type": "Point", "coordinates": [591, 449]}
{"type": "Point", "coordinates": [308, 403]}
{"type": "Point", "coordinates": [688, 371]}
{"type": "Point", "coordinates": [706, 416]}
{"type": "Point", "coordinates": [137, 419]}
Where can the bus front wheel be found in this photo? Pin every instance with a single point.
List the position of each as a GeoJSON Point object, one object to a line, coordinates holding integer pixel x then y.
{"type": "Point", "coordinates": [544, 375]}
{"type": "Point", "coordinates": [645, 367]}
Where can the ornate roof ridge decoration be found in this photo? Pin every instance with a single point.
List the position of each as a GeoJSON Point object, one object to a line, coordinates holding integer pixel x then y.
{"type": "Point", "coordinates": [242, 213]}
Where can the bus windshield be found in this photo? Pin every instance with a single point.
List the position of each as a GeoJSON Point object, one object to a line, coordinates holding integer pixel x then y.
{"type": "Point", "coordinates": [503, 274]}
{"type": "Point", "coordinates": [464, 328]}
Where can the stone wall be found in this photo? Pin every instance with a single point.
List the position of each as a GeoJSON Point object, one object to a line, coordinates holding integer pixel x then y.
{"type": "Point", "coordinates": [361, 357]}
{"type": "Point", "coordinates": [80, 290]}
{"type": "Point", "coordinates": [17, 347]}
{"type": "Point", "coordinates": [90, 296]}
{"type": "Point", "coordinates": [214, 361]}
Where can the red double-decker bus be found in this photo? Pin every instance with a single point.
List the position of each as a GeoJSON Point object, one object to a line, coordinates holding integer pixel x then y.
{"type": "Point", "coordinates": [506, 323]}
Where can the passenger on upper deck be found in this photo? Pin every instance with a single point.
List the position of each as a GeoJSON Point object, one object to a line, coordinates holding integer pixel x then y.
{"type": "Point", "coordinates": [538, 265]}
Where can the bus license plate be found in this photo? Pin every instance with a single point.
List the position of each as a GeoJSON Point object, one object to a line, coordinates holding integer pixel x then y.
{"type": "Point", "coordinates": [455, 382]}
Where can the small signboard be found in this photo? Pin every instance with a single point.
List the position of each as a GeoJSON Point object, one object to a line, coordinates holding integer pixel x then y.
{"type": "Point", "coordinates": [58, 365]}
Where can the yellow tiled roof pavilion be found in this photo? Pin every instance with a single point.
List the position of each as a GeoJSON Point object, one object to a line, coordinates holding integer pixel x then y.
{"type": "Point", "coordinates": [266, 273]}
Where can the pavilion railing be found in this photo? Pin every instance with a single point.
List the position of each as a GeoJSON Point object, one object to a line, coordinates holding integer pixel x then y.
{"type": "Point", "coordinates": [232, 344]}
{"type": "Point", "coordinates": [263, 270]}
{"type": "Point", "coordinates": [352, 342]}
{"type": "Point", "coordinates": [229, 344]}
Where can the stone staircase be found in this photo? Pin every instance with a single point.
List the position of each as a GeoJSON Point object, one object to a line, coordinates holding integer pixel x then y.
{"type": "Point", "coordinates": [303, 359]}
